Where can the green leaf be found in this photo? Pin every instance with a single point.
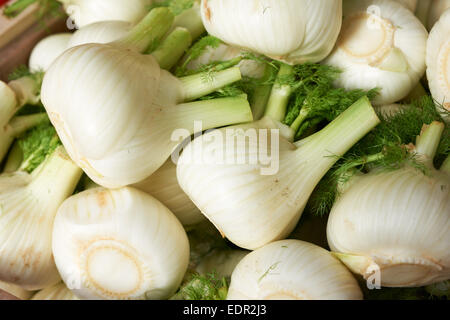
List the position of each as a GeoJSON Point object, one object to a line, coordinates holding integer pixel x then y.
{"type": "Point", "coordinates": [36, 145]}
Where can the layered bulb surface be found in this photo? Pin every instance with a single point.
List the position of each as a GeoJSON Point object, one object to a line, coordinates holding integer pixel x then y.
{"type": "Point", "coordinates": [253, 183]}
{"type": "Point", "coordinates": [292, 270]}
{"type": "Point", "coordinates": [47, 50]}
{"type": "Point", "coordinates": [292, 31]}
{"type": "Point", "coordinates": [115, 109]}
{"type": "Point", "coordinates": [381, 45]}
{"type": "Point", "coordinates": [119, 244]}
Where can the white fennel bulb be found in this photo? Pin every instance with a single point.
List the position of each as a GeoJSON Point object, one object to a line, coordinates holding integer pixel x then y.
{"type": "Point", "coordinates": [85, 12]}
{"type": "Point", "coordinates": [163, 185]}
{"type": "Point", "coordinates": [58, 291]}
{"type": "Point", "coordinates": [253, 201]}
{"type": "Point", "coordinates": [437, 8]}
{"type": "Point", "coordinates": [224, 52]}
{"type": "Point", "coordinates": [119, 244]}
{"type": "Point", "coordinates": [438, 61]}
{"type": "Point", "coordinates": [381, 45]}
{"type": "Point", "coordinates": [396, 223]}
{"type": "Point", "coordinates": [28, 205]}
{"type": "Point", "coordinates": [292, 270]}
{"type": "Point", "coordinates": [410, 4]}
{"type": "Point", "coordinates": [47, 50]}
{"type": "Point", "coordinates": [100, 32]}
{"type": "Point", "coordinates": [292, 31]}
{"type": "Point", "coordinates": [115, 109]}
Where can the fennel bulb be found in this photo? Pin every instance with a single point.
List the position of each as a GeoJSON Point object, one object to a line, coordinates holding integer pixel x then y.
{"type": "Point", "coordinates": [381, 45]}
{"type": "Point", "coordinates": [438, 62]}
{"type": "Point", "coordinates": [58, 291]}
{"type": "Point", "coordinates": [292, 31]}
{"type": "Point", "coordinates": [292, 270]}
{"type": "Point", "coordinates": [47, 50]}
{"type": "Point", "coordinates": [85, 12]}
{"type": "Point", "coordinates": [28, 205]}
{"type": "Point", "coordinates": [115, 109]}
{"type": "Point", "coordinates": [119, 244]}
{"type": "Point", "coordinates": [437, 8]}
{"type": "Point", "coordinates": [163, 185]}
{"type": "Point", "coordinates": [253, 203]}
{"type": "Point", "coordinates": [396, 222]}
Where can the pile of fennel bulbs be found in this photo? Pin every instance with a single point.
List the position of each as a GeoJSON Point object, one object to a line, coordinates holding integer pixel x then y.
{"type": "Point", "coordinates": [252, 208]}
{"type": "Point", "coordinates": [138, 225]}
{"type": "Point", "coordinates": [107, 30]}
{"type": "Point", "coordinates": [111, 147]}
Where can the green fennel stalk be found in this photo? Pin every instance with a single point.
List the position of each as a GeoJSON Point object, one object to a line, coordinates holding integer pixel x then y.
{"type": "Point", "coordinates": [387, 147]}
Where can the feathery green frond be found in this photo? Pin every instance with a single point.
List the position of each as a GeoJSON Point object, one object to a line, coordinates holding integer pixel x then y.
{"type": "Point", "coordinates": [385, 148]}
{"type": "Point", "coordinates": [36, 145]}
{"type": "Point", "coordinates": [203, 287]}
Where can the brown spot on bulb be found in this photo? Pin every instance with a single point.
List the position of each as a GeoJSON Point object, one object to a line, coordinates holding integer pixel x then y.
{"type": "Point", "coordinates": [27, 256]}
{"type": "Point", "coordinates": [207, 10]}
{"type": "Point", "coordinates": [101, 198]}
